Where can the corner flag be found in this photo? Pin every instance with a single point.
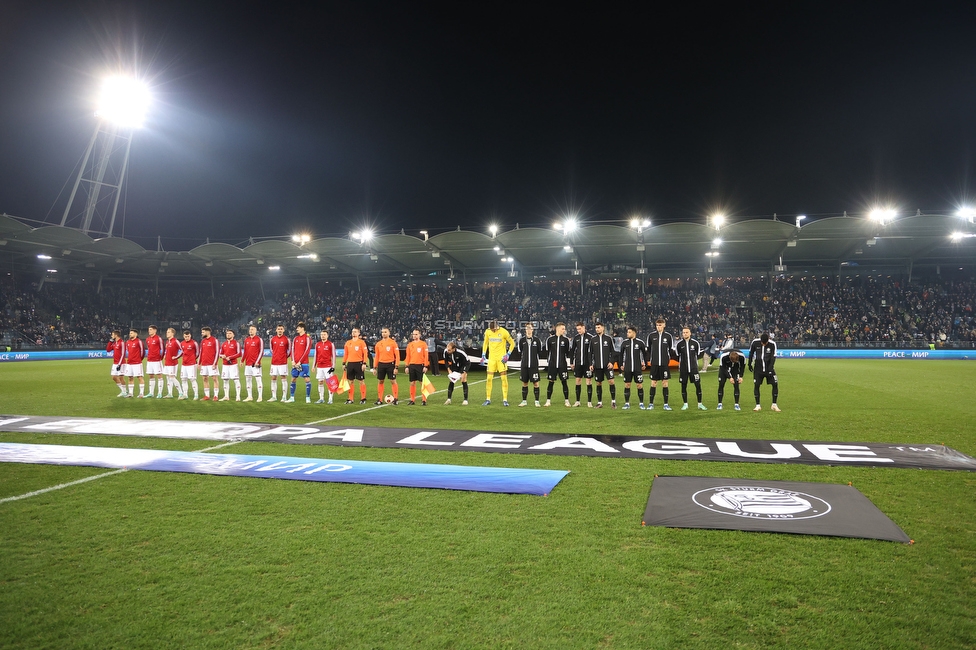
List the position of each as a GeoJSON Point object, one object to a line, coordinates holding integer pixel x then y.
{"type": "Point", "coordinates": [427, 387]}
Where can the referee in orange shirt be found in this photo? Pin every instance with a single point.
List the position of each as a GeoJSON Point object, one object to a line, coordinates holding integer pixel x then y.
{"type": "Point", "coordinates": [386, 358]}
{"type": "Point", "coordinates": [417, 363]}
{"type": "Point", "coordinates": [355, 355]}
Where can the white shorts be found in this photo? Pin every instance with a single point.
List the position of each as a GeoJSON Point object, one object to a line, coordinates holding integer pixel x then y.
{"type": "Point", "coordinates": [132, 369]}
{"type": "Point", "coordinates": [117, 373]}
{"type": "Point", "coordinates": [252, 372]}
{"type": "Point", "coordinates": [169, 371]}
{"type": "Point", "coordinates": [279, 371]}
{"type": "Point", "coordinates": [230, 372]}
{"type": "Point", "coordinates": [154, 367]}
{"type": "Point", "coordinates": [323, 373]}
{"type": "Point", "coordinates": [189, 372]}
{"type": "Point", "coordinates": [209, 371]}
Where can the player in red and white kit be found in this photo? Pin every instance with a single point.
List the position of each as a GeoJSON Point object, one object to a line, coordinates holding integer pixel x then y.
{"type": "Point", "coordinates": [135, 351]}
{"type": "Point", "coordinates": [230, 354]}
{"type": "Point", "coordinates": [172, 351]}
{"type": "Point", "coordinates": [280, 350]}
{"type": "Point", "coordinates": [209, 347]}
{"type": "Point", "coordinates": [325, 357]}
{"type": "Point", "coordinates": [117, 348]}
{"type": "Point", "coordinates": [188, 373]}
{"type": "Point", "coordinates": [154, 361]}
{"type": "Point", "coordinates": [301, 346]}
{"type": "Point", "coordinates": [253, 353]}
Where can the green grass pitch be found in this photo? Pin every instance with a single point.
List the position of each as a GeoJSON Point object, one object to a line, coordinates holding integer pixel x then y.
{"type": "Point", "coordinates": [150, 560]}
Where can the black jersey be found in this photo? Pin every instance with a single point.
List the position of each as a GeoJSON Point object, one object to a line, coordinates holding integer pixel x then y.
{"type": "Point", "coordinates": [456, 361]}
{"type": "Point", "coordinates": [602, 351]}
{"type": "Point", "coordinates": [660, 348]}
{"type": "Point", "coordinates": [558, 352]}
{"type": "Point", "coordinates": [688, 352]}
{"type": "Point", "coordinates": [633, 355]}
{"type": "Point", "coordinates": [762, 356]}
{"type": "Point", "coordinates": [732, 370]}
{"type": "Point", "coordinates": [530, 349]}
{"type": "Point", "coordinates": [580, 349]}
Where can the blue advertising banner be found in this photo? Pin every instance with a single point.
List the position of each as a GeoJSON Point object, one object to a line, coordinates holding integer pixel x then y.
{"type": "Point", "coordinates": [449, 477]}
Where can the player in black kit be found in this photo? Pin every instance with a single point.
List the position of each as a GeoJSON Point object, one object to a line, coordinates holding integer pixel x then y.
{"type": "Point", "coordinates": [688, 350]}
{"type": "Point", "coordinates": [558, 355]}
{"type": "Point", "coordinates": [731, 368]}
{"type": "Point", "coordinates": [602, 356]}
{"type": "Point", "coordinates": [762, 357]}
{"type": "Point", "coordinates": [580, 351]}
{"type": "Point", "coordinates": [660, 351]}
{"type": "Point", "coordinates": [530, 347]}
{"type": "Point", "coordinates": [633, 356]}
{"type": "Point", "coordinates": [456, 361]}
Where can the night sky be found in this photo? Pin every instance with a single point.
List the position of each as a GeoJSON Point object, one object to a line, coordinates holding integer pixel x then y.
{"type": "Point", "coordinates": [403, 115]}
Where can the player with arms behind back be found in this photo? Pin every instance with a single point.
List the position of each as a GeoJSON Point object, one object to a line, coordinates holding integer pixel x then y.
{"type": "Point", "coordinates": [386, 360]}
{"type": "Point", "coordinates": [301, 348]}
{"type": "Point", "coordinates": [135, 351]}
{"type": "Point", "coordinates": [688, 350]}
{"type": "Point", "coordinates": [355, 358]}
{"type": "Point", "coordinates": [558, 360]}
{"type": "Point", "coordinates": [418, 360]}
{"type": "Point", "coordinates": [230, 354]}
{"type": "Point", "coordinates": [188, 372]}
{"type": "Point", "coordinates": [280, 351]}
{"type": "Point", "coordinates": [253, 353]}
{"type": "Point", "coordinates": [602, 357]}
{"type": "Point", "coordinates": [633, 357]}
{"type": "Point", "coordinates": [530, 348]}
{"type": "Point", "coordinates": [660, 350]}
{"type": "Point", "coordinates": [154, 361]}
{"type": "Point", "coordinates": [580, 352]}
{"type": "Point", "coordinates": [497, 345]}
{"type": "Point", "coordinates": [325, 356]}
{"type": "Point", "coordinates": [172, 351]}
{"type": "Point", "coordinates": [209, 347]}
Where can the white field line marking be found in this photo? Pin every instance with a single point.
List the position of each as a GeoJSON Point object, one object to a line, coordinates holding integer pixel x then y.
{"type": "Point", "coordinates": [373, 408]}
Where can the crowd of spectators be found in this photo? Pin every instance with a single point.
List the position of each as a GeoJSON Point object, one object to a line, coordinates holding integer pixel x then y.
{"type": "Point", "coordinates": [800, 310]}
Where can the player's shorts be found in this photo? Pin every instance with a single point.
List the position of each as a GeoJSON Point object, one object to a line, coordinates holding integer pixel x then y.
{"type": "Point", "coordinates": [323, 373]}
{"type": "Point", "coordinates": [582, 371]}
{"type": "Point", "coordinates": [251, 371]}
{"type": "Point", "coordinates": [529, 375]}
{"type": "Point", "coordinates": [659, 373]}
{"type": "Point", "coordinates": [688, 376]}
{"type": "Point", "coordinates": [556, 375]}
{"type": "Point", "coordinates": [169, 371]}
{"type": "Point", "coordinates": [208, 371]}
{"type": "Point", "coordinates": [279, 371]}
{"type": "Point", "coordinates": [354, 371]}
{"type": "Point", "coordinates": [385, 371]}
{"type": "Point", "coordinates": [299, 371]}
{"type": "Point", "coordinates": [132, 369]}
{"type": "Point", "coordinates": [769, 377]}
{"type": "Point", "coordinates": [633, 375]}
{"type": "Point", "coordinates": [117, 370]}
{"type": "Point", "coordinates": [599, 374]}
{"type": "Point", "coordinates": [416, 371]}
{"type": "Point", "coordinates": [154, 367]}
{"type": "Point", "coordinates": [497, 365]}
{"type": "Point", "coordinates": [189, 373]}
{"type": "Point", "coordinates": [230, 371]}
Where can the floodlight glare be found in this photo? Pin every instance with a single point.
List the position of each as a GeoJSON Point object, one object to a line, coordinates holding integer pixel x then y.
{"type": "Point", "coordinates": [881, 215]}
{"type": "Point", "coordinates": [966, 212]}
{"type": "Point", "coordinates": [717, 242]}
{"type": "Point", "coordinates": [570, 225]}
{"type": "Point", "coordinates": [568, 248]}
{"type": "Point", "coordinates": [365, 235]}
{"type": "Point", "coordinates": [957, 236]}
{"type": "Point", "coordinates": [274, 268]}
{"type": "Point", "coordinates": [42, 256]}
{"type": "Point", "coordinates": [635, 223]}
{"type": "Point", "coordinates": [123, 101]}
{"type": "Point", "coordinates": [718, 220]}
{"type": "Point", "coordinates": [493, 229]}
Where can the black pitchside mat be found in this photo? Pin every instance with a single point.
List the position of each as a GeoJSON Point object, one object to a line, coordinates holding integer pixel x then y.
{"type": "Point", "coordinates": [767, 506]}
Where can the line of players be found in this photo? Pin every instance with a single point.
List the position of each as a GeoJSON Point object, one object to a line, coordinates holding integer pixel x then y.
{"type": "Point", "coordinates": [593, 357]}
{"type": "Point", "coordinates": [180, 361]}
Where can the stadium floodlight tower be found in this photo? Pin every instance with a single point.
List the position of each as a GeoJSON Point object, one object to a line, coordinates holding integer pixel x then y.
{"type": "Point", "coordinates": [122, 106]}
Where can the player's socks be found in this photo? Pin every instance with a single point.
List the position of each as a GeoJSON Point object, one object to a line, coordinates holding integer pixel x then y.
{"type": "Point", "coordinates": [613, 392]}
{"type": "Point", "coordinates": [259, 384]}
{"type": "Point", "coordinates": [640, 395]}
{"type": "Point", "coordinates": [721, 392]}
{"type": "Point", "coordinates": [291, 390]}
{"type": "Point", "coordinates": [565, 390]}
{"type": "Point", "coordinates": [381, 388]}
{"type": "Point", "coordinates": [351, 392]}
{"type": "Point", "coordinates": [152, 386]}
{"type": "Point", "coordinates": [504, 387]}
{"type": "Point", "coordinates": [159, 388]}
{"type": "Point", "coordinates": [664, 394]}
{"type": "Point", "coordinates": [698, 391]}
{"type": "Point", "coordinates": [535, 391]}
{"type": "Point", "coordinates": [589, 393]}
{"type": "Point", "coordinates": [308, 391]}
{"type": "Point", "coordinates": [651, 394]}
{"type": "Point", "coordinates": [488, 384]}
{"type": "Point", "coordinates": [396, 391]}
{"type": "Point", "coordinates": [142, 389]}
{"type": "Point", "coordinates": [525, 393]}
{"type": "Point", "coordinates": [362, 390]}
{"type": "Point", "coordinates": [579, 391]}
{"type": "Point", "coordinates": [274, 389]}
{"type": "Point", "coordinates": [206, 390]}
{"type": "Point", "coordinates": [247, 382]}
{"type": "Point", "coordinates": [735, 393]}
{"type": "Point", "coordinates": [549, 390]}
{"type": "Point", "coordinates": [450, 389]}
{"type": "Point", "coordinates": [756, 394]}
{"type": "Point", "coordinates": [321, 391]}
{"type": "Point", "coordinates": [226, 388]}
{"type": "Point", "coordinates": [599, 392]}
{"type": "Point", "coordinates": [684, 393]}
{"type": "Point", "coordinates": [413, 391]}
{"type": "Point", "coordinates": [775, 392]}
{"type": "Point", "coordinates": [626, 395]}
{"type": "Point", "coordinates": [464, 387]}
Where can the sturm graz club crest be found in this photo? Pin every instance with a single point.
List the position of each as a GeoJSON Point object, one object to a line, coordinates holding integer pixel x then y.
{"type": "Point", "coordinates": [761, 502]}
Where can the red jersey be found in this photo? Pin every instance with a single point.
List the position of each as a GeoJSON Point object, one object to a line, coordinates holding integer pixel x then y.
{"type": "Point", "coordinates": [154, 348]}
{"type": "Point", "coordinates": [115, 347]}
{"type": "Point", "coordinates": [230, 351]}
{"type": "Point", "coordinates": [191, 352]}
{"type": "Point", "coordinates": [208, 351]}
{"type": "Point", "coordinates": [324, 354]}
{"type": "Point", "coordinates": [253, 351]}
{"type": "Point", "coordinates": [280, 349]}
{"type": "Point", "coordinates": [300, 347]}
{"type": "Point", "coordinates": [134, 351]}
{"type": "Point", "coordinates": [172, 353]}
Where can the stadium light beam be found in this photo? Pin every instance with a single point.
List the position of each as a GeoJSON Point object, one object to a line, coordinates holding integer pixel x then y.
{"type": "Point", "coordinates": [123, 101]}
{"type": "Point", "coordinates": [570, 225]}
{"type": "Point", "coordinates": [967, 213]}
{"type": "Point", "coordinates": [882, 215]}
{"type": "Point", "coordinates": [493, 229]}
{"type": "Point", "coordinates": [718, 220]}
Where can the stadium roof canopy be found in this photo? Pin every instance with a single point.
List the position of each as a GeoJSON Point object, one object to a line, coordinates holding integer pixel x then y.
{"type": "Point", "coordinates": [754, 245]}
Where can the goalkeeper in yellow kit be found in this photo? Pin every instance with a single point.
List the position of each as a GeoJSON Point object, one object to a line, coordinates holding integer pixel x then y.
{"type": "Point", "coordinates": [498, 344]}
